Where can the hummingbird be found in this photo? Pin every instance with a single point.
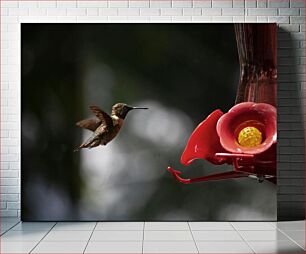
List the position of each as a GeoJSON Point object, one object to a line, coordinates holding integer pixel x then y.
{"type": "Point", "coordinates": [105, 127]}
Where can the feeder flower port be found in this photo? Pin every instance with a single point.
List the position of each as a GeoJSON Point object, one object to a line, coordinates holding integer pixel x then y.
{"type": "Point", "coordinates": [244, 137]}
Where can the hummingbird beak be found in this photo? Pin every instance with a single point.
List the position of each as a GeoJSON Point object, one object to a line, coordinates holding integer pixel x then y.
{"type": "Point", "coordinates": [137, 108]}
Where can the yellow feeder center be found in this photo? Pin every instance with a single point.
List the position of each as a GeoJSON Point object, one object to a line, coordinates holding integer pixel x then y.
{"type": "Point", "coordinates": [249, 137]}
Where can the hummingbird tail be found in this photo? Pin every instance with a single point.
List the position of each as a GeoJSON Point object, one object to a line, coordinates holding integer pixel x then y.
{"type": "Point", "coordinates": [90, 143]}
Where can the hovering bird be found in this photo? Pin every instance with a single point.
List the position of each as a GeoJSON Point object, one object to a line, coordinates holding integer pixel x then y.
{"type": "Point", "coordinates": [105, 127]}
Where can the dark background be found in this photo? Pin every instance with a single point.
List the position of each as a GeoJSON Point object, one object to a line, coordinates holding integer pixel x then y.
{"type": "Point", "coordinates": [182, 72]}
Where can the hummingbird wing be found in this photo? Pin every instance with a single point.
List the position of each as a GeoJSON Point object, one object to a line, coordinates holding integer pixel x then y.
{"type": "Point", "coordinates": [102, 116]}
{"type": "Point", "coordinates": [91, 124]}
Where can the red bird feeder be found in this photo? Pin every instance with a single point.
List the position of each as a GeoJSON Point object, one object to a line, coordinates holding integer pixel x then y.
{"type": "Point", "coordinates": [246, 135]}
{"type": "Point", "coordinates": [217, 140]}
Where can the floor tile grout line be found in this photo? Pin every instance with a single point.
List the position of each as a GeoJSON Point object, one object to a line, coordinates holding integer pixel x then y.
{"type": "Point", "coordinates": [156, 241]}
{"type": "Point", "coordinates": [90, 236]}
{"type": "Point", "coordinates": [157, 230]}
{"type": "Point", "coordinates": [246, 242]}
{"type": "Point", "coordinates": [143, 232]}
{"type": "Point", "coordinates": [290, 238]}
{"type": "Point", "coordinates": [42, 238]}
{"type": "Point", "coordinates": [10, 228]}
{"type": "Point", "coordinates": [193, 237]}
{"type": "Point", "coordinates": [273, 225]}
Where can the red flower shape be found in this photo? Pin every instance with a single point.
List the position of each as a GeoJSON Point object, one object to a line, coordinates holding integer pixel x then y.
{"type": "Point", "coordinates": [204, 142]}
{"type": "Point", "coordinates": [246, 114]}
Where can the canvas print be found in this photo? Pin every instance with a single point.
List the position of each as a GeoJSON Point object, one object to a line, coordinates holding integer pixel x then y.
{"type": "Point", "coordinates": [133, 122]}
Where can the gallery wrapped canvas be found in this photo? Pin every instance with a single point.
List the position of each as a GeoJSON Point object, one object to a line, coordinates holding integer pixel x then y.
{"type": "Point", "coordinates": [108, 108]}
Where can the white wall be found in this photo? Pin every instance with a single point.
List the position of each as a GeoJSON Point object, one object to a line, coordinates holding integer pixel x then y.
{"type": "Point", "coordinates": [289, 14]}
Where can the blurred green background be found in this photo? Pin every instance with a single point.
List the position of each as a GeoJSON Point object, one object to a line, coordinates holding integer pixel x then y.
{"type": "Point", "coordinates": [182, 72]}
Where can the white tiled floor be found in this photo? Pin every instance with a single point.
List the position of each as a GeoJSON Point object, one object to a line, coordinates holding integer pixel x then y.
{"type": "Point", "coordinates": [114, 247]}
{"type": "Point", "coordinates": [68, 236]}
{"type": "Point", "coordinates": [120, 226]}
{"type": "Point", "coordinates": [263, 235]}
{"type": "Point", "coordinates": [79, 226]}
{"type": "Point", "coordinates": [101, 236]}
{"type": "Point", "coordinates": [164, 235]}
{"type": "Point", "coordinates": [222, 236]}
{"type": "Point", "coordinates": [224, 247]}
{"type": "Point", "coordinates": [152, 237]}
{"type": "Point", "coordinates": [60, 247]}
